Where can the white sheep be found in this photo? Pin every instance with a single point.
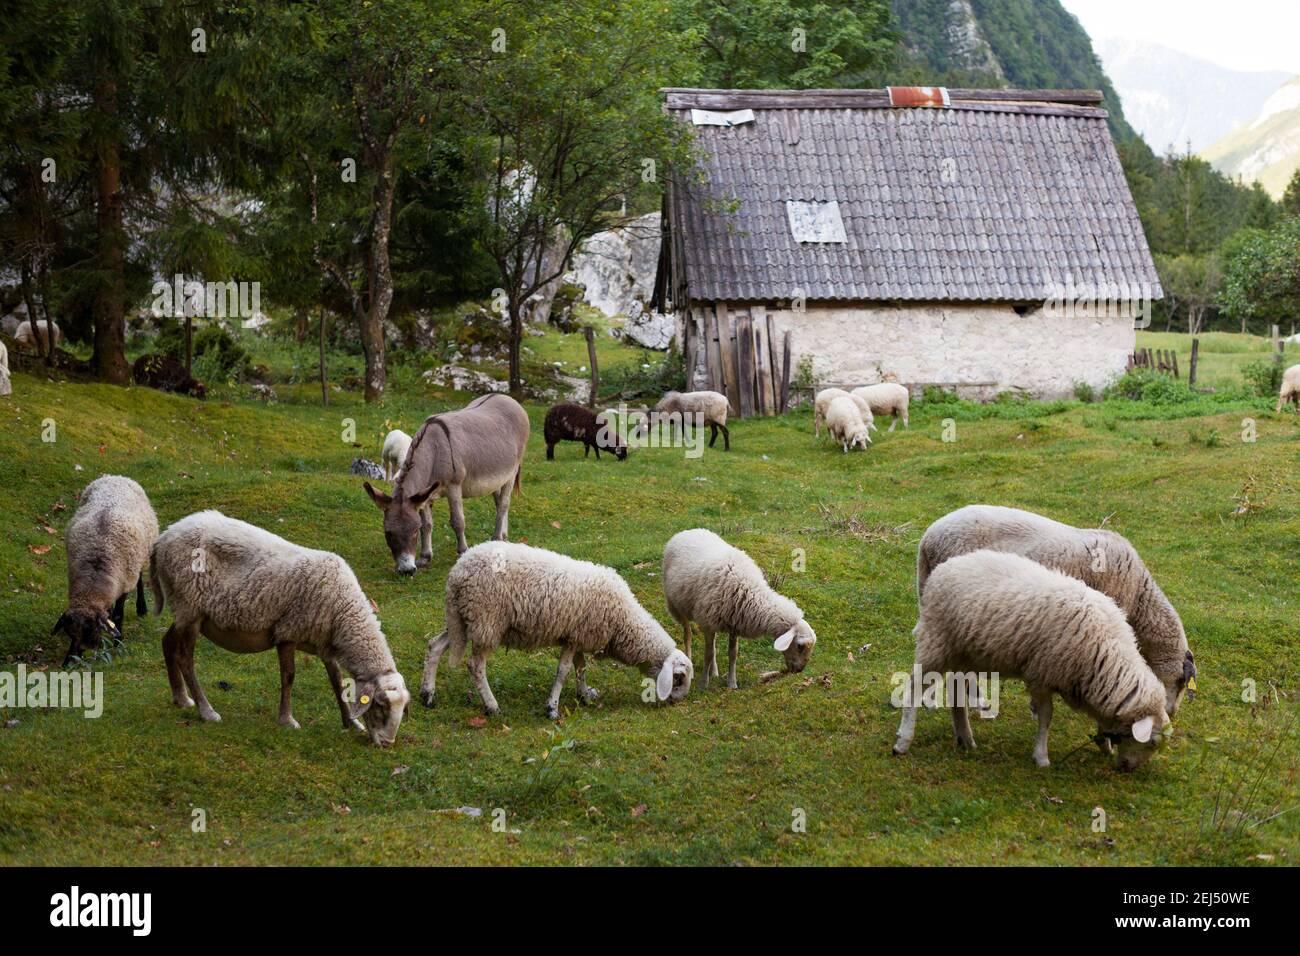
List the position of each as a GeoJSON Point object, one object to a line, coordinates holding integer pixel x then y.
{"type": "Point", "coordinates": [501, 594]}
{"type": "Point", "coordinates": [823, 401]}
{"type": "Point", "coordinates": [248, 590]}
{"type": "Point", "coordinates": [27, 339]}
{"type": "Point", "coordinates": [396, 444]}
{"type": "Point", "coordinates": [5, 387]}
{"type": "Point", "coordinates": [1099, 558]}
{"type": "Point", "coordinates": [1290, 392]}
{"type": "Point", "coordinates": [992, 612]}
{"type": "Point", "coordinates": [845, 424]}
{"type": "Point", "coordinates": [720, 588]}
{"type": "Point", "coordinates": [108, 542]}
{"type": "Point", "coordinates": [886, 398]}
{"type": "Point", "coordinates": [712, 406]}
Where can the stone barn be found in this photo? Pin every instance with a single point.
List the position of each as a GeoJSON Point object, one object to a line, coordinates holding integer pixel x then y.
{"type": "Point", "coordinates": [978, 240]}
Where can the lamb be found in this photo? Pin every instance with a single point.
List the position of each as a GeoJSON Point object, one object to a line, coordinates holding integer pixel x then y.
{"type": "Point", "coordinates": [36, 339]}
{"type": "Point", "coordinates": [711, 406]}
{"type": "Point", "coordinates": [823, 401]}
{"type": "Point", "coordinates": [248, 590]}
{"type": "Point", "coordinates": [108, 542]}
{"type": "Point", "coordinates": [575, 423]}
{"type": "Point", "coordinates": [720, 588]}
{"type": "Point", "coordinates": [1290, 393]}
{"type": "Point", "coordinates": [166, 374]}
{"type": "Point", "coordinates": [396, 444]}
{"type": "Point", "coordinates": [501, 594]}
{"type": "Point", "coordinates": [887, 398]}
{"type": "Point", "coordinates": [1099, 558]}
{"type": "Point", "coordinates": [845, 424]}
{"type": "Point", "coordinates": [994, 612]}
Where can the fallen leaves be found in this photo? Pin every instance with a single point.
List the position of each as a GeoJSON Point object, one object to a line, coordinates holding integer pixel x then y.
{"type": "Point", "coordinates": [39, 548]}
{"type": "Point", "coordinates": [478, 721]}
{"type": "Point", "coordinates": [639, 809]}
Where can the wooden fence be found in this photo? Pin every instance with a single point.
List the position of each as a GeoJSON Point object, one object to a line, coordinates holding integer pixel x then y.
{"type": "Point", "coordinates": [742, 358]}
{"type": "Point", "coordinates": [1164, 361]}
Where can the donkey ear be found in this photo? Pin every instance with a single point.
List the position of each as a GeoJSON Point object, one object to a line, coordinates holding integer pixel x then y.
{"type": "Point", "coordinates": [423, 496]}
{"type": "Point", "coordinates": [664, 682]}
{"type": "Point", "coordinates": [784, 641]}
{"type": "Point", "coordinates": [1142, 729]}
{"type": "Point", "coordinates": [378, 497]}
{"type": "Point", "coordinates": [60, 624]}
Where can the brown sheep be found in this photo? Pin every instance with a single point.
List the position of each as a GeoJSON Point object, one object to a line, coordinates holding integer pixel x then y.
{"type": "Point", "coordinates": [165, 373]}
{"type": "Point", "coordinates": [575, 423]}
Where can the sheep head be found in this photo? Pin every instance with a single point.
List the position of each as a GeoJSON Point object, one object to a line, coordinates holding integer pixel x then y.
{"type": "Point", "coordinates": [381, 704]}
{"type": "Point", "coordinates": [85, 629]}
{"type": "Point", "coordinates": [797, 646]}
{"type": "Point", "coordinates": [673, 677]}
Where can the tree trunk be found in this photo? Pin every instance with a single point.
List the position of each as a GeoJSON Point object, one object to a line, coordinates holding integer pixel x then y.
{"type": "Point", "coordinates": [380, 282]}
{"type": "Point", "coordinates": [516, 340]}
{"type": "Point", "coordinates": [110, 293]}
{"type": "Point", "coordinates": [324, 383]}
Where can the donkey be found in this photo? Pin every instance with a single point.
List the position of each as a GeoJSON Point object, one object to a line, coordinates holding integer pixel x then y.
{"type": "Point", "coordinates": [456, 455]}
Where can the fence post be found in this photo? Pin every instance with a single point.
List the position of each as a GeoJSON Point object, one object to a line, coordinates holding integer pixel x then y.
{"type": "Point", "coordinates": [590, 333]}
{"type": "Point", "coordinates": [1191, 369]}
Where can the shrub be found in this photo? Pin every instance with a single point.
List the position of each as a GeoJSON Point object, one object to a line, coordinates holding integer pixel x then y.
{"type": "Point", "coordinates": [217, 354]}
{"type": "Point", "coordinates": [1264, 377]}
{"type": "Point", "coordinates": [1084, 392]}
{"type": "Point", "coordinates": [1151, 387]}
{"type": "Point", "coordinates": [646, 380]}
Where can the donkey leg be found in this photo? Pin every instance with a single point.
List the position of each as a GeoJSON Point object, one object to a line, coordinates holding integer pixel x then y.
{"type": "Point", "coordinates": [456, 507]}
{"type": "Point", "coordinates": [426, 536]}
{"type": "Point", "coordinates": [502, 498]}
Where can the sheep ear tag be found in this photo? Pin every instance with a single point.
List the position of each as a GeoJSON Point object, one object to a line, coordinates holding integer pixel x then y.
{"type": "Point", "coordinates": [784, 641]}
{"type": "Point", "coordinates": [664, 681]}
{"type": "Point", "coordinates": [1142, 730]}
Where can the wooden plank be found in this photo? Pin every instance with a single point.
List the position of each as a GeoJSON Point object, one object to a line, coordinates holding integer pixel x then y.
{"type": "Point", "coordinates": [785, 372]}
{"type": "Point", "coordinates": [762, 362]}
{"type": "Point", "coordinates": [1191, 371]}
{"type": "Point", "coordinates": [774, 364]}
{"type": "Point", "coordinates": [717, 379]}
{"type": "Point", "coordinates": [745, 365]}
{"type": "Point", "coordinates": [688, 351]}
{"type": "Point", "coordinates": [727, 352]}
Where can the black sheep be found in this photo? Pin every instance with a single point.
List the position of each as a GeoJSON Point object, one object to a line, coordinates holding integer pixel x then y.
{"type": "Point", "coordinates": [575, 423]}
{"type": "Point", "coordinates": [165, 373]}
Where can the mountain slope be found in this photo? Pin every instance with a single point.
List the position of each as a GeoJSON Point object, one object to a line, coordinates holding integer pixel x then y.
{"type": "Point", "coordinates": [1268, 150]}
{"type": "Point", "coordinates": [1019, 43]}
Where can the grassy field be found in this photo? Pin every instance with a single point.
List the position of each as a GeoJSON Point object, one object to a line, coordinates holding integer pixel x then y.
{"type": "Point", "coordinates": [721, 777]}
{"type": "Point", "coordinates": [1220, 356]}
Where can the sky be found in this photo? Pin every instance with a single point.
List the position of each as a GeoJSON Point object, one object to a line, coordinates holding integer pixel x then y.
{"type": "Point", "coordinates": [1242, 34]}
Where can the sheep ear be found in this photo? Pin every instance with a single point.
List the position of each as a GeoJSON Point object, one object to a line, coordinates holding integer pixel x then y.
{"type": "Point", "coordinates": [107, 624]}
{"type": "Point", "coordinates": [60, 624]}
{"type": "Point", "coordinates": [812, 635]}
{"type": "Point", "coordinates": [664, 682]}
{"type": "Point", "coordinates": [367, 694]}
{"type": "Point", "coordinates": [378, 497]}
{"type": "Point", "coordinates": [1142, 729]}
{"type": "Point", "coordinates": [784, 641]}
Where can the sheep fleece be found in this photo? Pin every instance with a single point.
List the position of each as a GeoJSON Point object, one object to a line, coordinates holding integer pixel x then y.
{"type": "Point", "coordinates": [108, 540]}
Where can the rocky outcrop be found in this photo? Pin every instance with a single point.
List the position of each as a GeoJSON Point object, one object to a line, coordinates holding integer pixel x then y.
{"type": "Point", "coordinates": [463, 379]}
{"type": "Point", "coordinates": [617, 267]}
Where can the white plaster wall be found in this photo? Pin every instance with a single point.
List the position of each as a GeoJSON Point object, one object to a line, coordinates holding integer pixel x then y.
{"type": "Point", "coordinates": [978, 349]}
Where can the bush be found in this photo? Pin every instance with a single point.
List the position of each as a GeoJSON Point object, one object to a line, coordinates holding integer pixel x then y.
{"type": "Point", "coordinates": [647, 380]}
{"type": "Point", "coordinates": [1083, 391]}
{"type": "Point", "coordinates": [1151, 387]}
{"type": "Point", "coordinates": [1264, 377]}
{"type": "Point", "coordinates": [217, 354]}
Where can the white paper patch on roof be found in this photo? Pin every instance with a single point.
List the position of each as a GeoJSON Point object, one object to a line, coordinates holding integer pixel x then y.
{"type": "Point", "coordinates": [815, 221]}
{"type": "Point", "coordinates": [716, 118]}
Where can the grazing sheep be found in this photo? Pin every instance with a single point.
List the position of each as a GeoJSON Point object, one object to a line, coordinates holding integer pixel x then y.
{"type": "Point", "coordinates": [887, 398]}
{"type": "Point", "coordinates": [511, 595]}
{"type": "Point", "coordinates": [823, 402]}
{"type": "Point", "coordinates": [166, 374]}
{"type": "Point", "coordinates": [365, 468]}
{"type": "Point", "coordinates": [720, 588]}
{"type": "Point", "coordinates": [108, 542]}
{"type": "Point", "coordinates": [1098, 557]}
{"type": "Point", "coordinates": [845, 424]}
{"type": "Point", "coordinates": [475, 450]}
{"type": "Point", "coordinates": [5, 387]}
{"type": "Point", "coordinates": [396, 444]}
{"type": "Point", "coordinates": [37, 340]}
{"type": "Point", "coordinates": [713, 406]}
{"type": "Point", "coordinates": [1290, 393]}
{"type": "Point", "coordinates": [576, 423]}
{"type": "Point", "coordinates": [995, 612]}
{"type": "Point", "coordinates": [248, 590]}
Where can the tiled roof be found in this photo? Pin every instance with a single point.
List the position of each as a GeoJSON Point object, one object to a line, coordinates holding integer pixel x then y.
{"type": "Point", "coordinates": [991, 200]}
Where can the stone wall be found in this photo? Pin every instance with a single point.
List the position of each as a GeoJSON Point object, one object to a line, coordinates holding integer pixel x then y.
{"type": "Point", "coordinates": [979, 350]}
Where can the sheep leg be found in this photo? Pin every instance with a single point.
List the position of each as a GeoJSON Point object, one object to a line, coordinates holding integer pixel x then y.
{"type": "Point", "coordinates": [426, 537]}
{"type": "Point", "coordinates": [713, 433]}
{"type": "Point", "coordinates": [585, 694]}
{"type": "Point", "coordinates": [141, 608]}
{"type": "Point", "coordinates": [189, 636]}
{"type": "Point", "coordinates": [336, 682]}
{"type": "Point", "coordinates": [119, 612]}
{"type": "Point", "coordinates": [907, 725]}
{"type": "Point", "coordinates": [705, 672]}
{"type": "Point", "coordinates": [1042, 705]}
{"type": "Point", "coordinates": [817, 425]}
{"type": "Point", "coordinates": [686, 636]}
{"type": "Point", "coordinates": [502, 499]}
{"type": "Point", "coordinates": [285, 651]}
{"type": "Point", "coordinates": [429, 682]}
{"type": "Point", "coordinates": [478, 671]}
{"type": "Point", "coordinates": [961, 724]}
{"type": "Point", "coordinates": [1103, 743]}
{"type": "Point", "coordinates": [550, 452]}
{"type": "Point", "coordinates": [893, 420]}
{"type": "Point", "coordinates": [733, 644]}
{"type": "Point", "coordinates": [171, 646]}
{"type": "Point", "coordinates": [726, 437]}
{"type": "Point", "coordinates": [456, 506]}
{"type": "Point", "coordinates": [561, 675]}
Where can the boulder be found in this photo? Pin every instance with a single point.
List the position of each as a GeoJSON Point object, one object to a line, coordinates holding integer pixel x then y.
{"type": "Point", "coordinates": [463, 379]}
{"type": "Point", "coordinates": [618, 267]}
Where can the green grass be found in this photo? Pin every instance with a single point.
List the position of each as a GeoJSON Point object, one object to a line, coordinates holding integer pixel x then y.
{"type": "Point", "coordinates": [1220, 355]}
{"type": "Point", "coordinates": [713, 780]}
